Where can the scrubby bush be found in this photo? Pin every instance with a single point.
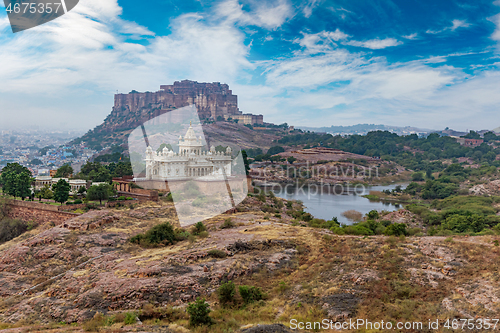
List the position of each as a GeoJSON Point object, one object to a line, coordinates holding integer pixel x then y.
{"type": "Point", "coordinates": [93, 324]}
{"type": "Point", "coordinates": [396, 229]}
{"type": "Point", "coordinates": [198, 228]}
{"type": "Point", "coordinates": [217, 253]}
{"type": "Point", "coordinates": [283, 286]}
{"type": "Point", "coordinates": [250, 293]}
{"type": "Point", "coordinates": [320, 223]}
{"type": "Point", "coordinates": [372, 215]}
{"type": "Point", "coordinates": [181, 234]}
{"type": "Point", "coordinates": [417, 176]}
{"type": "Point", "coordinates": [226, 292]}
{"type": "Point", "coordinates": [228, 223]}
{"type": "Point", "coordinates": [159, 234]}
{"type": "Point", "coordinates": [199, 313]}
{"type": "Point", "coordinates": [78, 201]}
{"type": "Point", "coordinates": [460, 223]}
{"type": "Point", "coordinates": [203, 234]}
{"type": "Point", "coordinates": [130, 318]}
{"type": "Point", "coordinates": [358, 230]}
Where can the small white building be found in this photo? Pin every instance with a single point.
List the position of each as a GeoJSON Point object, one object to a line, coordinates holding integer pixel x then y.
{"type": "Point", "coordinates": [75, 184]}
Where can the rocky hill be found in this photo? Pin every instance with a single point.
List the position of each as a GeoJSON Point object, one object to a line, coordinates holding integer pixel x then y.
{"type": "Point", "coordinates": [213, 101]}
{"type": "Point", "coordinates": [87, 272]}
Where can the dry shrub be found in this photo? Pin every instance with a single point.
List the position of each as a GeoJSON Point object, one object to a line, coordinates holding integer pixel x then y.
{"type": "Point", "coordinates": [11, 228]}
{"type": "Point", "coordinates": [93, 324]}
{"type": "Point", "coordinates": [352, 215]}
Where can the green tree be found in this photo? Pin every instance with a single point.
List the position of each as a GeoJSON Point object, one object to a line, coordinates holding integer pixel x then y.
{"type": "Point", "coordinates": [417, 176]}
{"type": "Point", "coordinates": [99, 192]}
{"type": "Point", "coordinates": [163, 145]}
{"type": "Point", "coordinates": [490, 136]}
{"type": "Point", "coordinates": [16, 180]}
{"type": "Point", "coordinates": [61, 191]}
{"type": "Point", "coordinates": [199, 313]}
{"type": "Point", "coordinates": [276, 158]}
{"type": "Point", "coordinates": [275, 150]}
{"type": "Point", "coordinates": [23, 185]}
{"type": "Point", "coordinates": [226, 292]}
{"type": "Point", "coordinates": [220, 149]}
{"type": "Point", "coordinates": [396, 229]}
{"type": "Point", "coordinates": [250, 293]}
{"type": "Point", "coordinates": [46, 192]}
{"type": "Point", "coordinates": [38, 195]}
{"type": "Point", "coordinates": [291, 159]}
{"type": "Point", "coordinates": [245, 161]}
{"type": "Point", "coordinates": [472, 135]}
{"type": "Point", "coordinates": [373, 214]}
{"type": "Point", "coordinates": [65, 171]}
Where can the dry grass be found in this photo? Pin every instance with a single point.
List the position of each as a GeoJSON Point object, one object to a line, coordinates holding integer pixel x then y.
{"type": "Point", "coordinates": [353, 215]}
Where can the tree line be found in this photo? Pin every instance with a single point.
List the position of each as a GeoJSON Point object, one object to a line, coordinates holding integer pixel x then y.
{"type": "Point", "coordinates": [16, 181]}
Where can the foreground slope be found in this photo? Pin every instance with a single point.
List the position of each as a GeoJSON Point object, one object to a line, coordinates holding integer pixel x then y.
{"type": "Point", "coordinates": [71, 272]}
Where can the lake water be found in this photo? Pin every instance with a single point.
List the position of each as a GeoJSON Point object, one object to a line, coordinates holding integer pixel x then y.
{"type": "Point", "coordinates": [326, 203]}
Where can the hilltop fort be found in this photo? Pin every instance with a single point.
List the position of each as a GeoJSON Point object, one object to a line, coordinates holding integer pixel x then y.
{"type": "Point", "coordinates": [214, 102]}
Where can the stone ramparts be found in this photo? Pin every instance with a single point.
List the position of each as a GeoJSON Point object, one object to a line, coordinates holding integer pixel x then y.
{"type": "Point", "coordinates": [37, 212]}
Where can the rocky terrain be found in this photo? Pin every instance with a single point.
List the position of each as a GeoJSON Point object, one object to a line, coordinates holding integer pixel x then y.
{"type": "Point", "coordinates": [488, 188]}
{"type": "Point", "coordinates": [62, 278]}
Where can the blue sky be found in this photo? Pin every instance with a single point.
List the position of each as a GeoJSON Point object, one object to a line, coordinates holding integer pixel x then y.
{"type": "Point", "coordinates": [430, 64]}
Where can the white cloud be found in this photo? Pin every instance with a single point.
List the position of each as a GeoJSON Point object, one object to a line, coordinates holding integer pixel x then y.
{"type": "Point", "coordinates": [265, 14]}
{"type": "Point", "coordinates": [339, 87]}
{"type": "Point", "coordinates": [70, 68]}
{"type": "Point", "coordinates": [84, 56]}
{"type": "Point", "coordinates": [4, 23]}
{"type": "Point", "coordinates": [459, 24]}
{"type": "Point", "coordinates": [375, 44]}
{"type": "Point", "coordinates": [308, 9]}
{"type": "Point", "coordinates": [411, 36]}
{"type": "Point", "coordinates": [455, 24]}
{"type": "Point", "coordinates": [322, 41]}
{"type": "Point", "coordinates": [496, 34]}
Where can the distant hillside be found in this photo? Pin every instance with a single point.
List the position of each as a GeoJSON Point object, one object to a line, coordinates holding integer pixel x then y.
{"type": "Point", "coordinates": [365, 128]}
{"type": "Point", "coordinates": [110, 133]}
{"type": "Point", "coordinates": [213, 101]}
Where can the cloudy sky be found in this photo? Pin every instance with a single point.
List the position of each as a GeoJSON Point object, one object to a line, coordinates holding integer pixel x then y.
{"type": "Point", "coordinates": [423, 63]}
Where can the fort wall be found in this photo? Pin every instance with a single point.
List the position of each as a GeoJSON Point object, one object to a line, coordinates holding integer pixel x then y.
{"type": "Point", "coordinates": [37, 212]}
